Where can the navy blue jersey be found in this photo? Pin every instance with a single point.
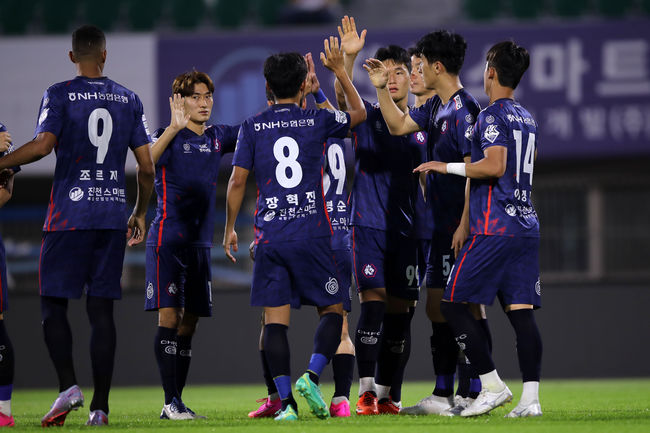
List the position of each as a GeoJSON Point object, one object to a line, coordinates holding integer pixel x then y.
{"type": "Point", "coordinates": [186, 185]}
{"type": "Point", "coordinates": [423, 212]}
{"type": "Point", "coordinates": [336, 194]}
{"type": "Point", "coordinates": [11, 149]}
{"type": "Point", "coordinates": [504, 206]}
{"type": "Point", "coordinates": [385, 188]}
{"type": "Point", "coordinates": [285, 146]}
{"type": "Point", "coordinates": [95, 121]}
{"type": "Point", "coordinates": [448, 127]}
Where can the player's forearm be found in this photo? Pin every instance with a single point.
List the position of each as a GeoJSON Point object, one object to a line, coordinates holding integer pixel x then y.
{"type": "Point", "coordinates": [394, 117]}
{"type": "Point", "coordinates": [158, 148]}
{"type": "Point", "coordinates": [32, 151]}
{"type": "Point", "coordinates": [464, 219]}
{"type": "Point", "coordinates": [145, 179]}
{"type": "Point", "coordinates": [348, 65]}
{"type": "Point", "coordinates": [234, 199]}
{"type": "Point", "coordinates": [356, 108]}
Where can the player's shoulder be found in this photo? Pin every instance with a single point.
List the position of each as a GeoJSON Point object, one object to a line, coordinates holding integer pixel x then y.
{"type": "Point", "coordinates": [464, 102]}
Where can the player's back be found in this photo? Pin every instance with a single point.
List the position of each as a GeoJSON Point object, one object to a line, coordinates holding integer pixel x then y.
{"type": "Point", "coordinates": [504, 206]}
{"type": "Point", "coordinates": [285, 146]}
{"type": "Point", "coordinates": [95, 121]}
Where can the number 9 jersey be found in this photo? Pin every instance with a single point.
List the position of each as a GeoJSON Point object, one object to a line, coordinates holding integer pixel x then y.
{"type": "Point", "coordinates": [504, 206]}
{"type": "Point", "coordinates": [95, 121]}
{"type": "Point", "coordinates": [285, 145]}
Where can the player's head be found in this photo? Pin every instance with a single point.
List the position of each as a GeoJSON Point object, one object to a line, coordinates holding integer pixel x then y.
{"type": "Point", "coordinates": [88, 45]}
{"type": "Point", "coordinates": [417, 84]}
{"type": "Point", "coordinates": [506, 62]}
{"type": "Point", "coordinates": [398, 62]}
{"type": "Point", "coordinates": [197, 89]}
{"type": "Point", "coordinates": [442, 52]}
{"type": "Point", "coordinates": [285, 74]}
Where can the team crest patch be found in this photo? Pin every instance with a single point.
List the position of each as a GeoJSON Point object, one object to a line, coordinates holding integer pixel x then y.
{"type": "Point", "coordinates": [489, 118]}
{"type": "Point", "coordinates": [420, 137]}
{"type": "Point", "coordinates": [369, 270]}
{"type": "Point", "coordinates": [458, 102]}
{"type": "Point", "coordinates": [491, 133]}
{"type": "Point", "coordinates": [187, 148]}
{"type": "Point", "coordinates": [269, 215]}
{"type": "Point", "coordinates": [332, 286]}
{"type": "Point", "coordinates": [172, 289]}
{"type": "Point", "coordinates": [217, 145]}
{"type": "Point", "coordinates": [511, 210]}
{"type": "Point", "coordinates": [469, 132]}
{"type": "Point", "coordinates": [443, 128]}
{"type": "Point", "coordinates": [469, 118]}
{"type": "Point", "coordinates": [341, 117]}
{"type": "Point", "coordinates": [76, 194]}
{"type": "Point", "coordinates": [150, 290]}
{"type": "Point", "coordinates": [538, 288]}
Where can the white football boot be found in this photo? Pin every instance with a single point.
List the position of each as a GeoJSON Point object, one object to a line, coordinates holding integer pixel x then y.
{"type": "Point", "coordinates": [431, 405]}
{"type": "Point", "coordinates": [522, 411]}
{"type": "Point", "coordinates": [486, 401]}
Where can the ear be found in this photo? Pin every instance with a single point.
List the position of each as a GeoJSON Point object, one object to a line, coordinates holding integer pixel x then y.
{"type": "Point", "coordinates": [491, 73]}
{"type": "Point", "coordinates": [104, 56]}
{"type": "Point", "coordinates": [71, 55]}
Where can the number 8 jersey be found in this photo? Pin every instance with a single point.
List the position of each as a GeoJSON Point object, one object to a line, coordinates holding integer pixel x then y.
{"type": "Point", "coordinates": [504, 206]}
{"type": "Point", "coordinates": [285, 145]}
{"type": "Point", "coordinates": [95, 121]}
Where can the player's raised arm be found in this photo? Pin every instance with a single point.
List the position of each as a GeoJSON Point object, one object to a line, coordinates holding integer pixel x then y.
{"type": "Point", "coordinates": [234, 198]}
{"type": "Point", "coordinates": [179, 120]}
{"type": "Point", "coordinates": [315, 90]}
{"type": "Point", "coordinates": [332, 59]}
{"type": "Point", "coordinates": [351, 44]}
{"type": "Point", "coordinates": [145, 172]}
{"type": "Point", "coordinates": [398, 122]}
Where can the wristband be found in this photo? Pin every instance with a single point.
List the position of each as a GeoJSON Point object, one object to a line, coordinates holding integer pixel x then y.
{"type": "Point", "coordinates": [319, 96]}
{"type": "Point", "coordinates": [457, 168]}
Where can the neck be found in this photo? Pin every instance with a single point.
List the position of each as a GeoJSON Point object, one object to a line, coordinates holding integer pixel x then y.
{"type": "Point", "coordinates": [89, 69]}
{"type": "Point", "coordinates": [293, 100]}
{"type": "Point", "coordinates": [499, 92]}
{"type": "Point", "coordinates": [197, 128]}
{"type": "Point", "coordinates": [423, 98]}
{"type": "Point", "coordinates": [449, 85]}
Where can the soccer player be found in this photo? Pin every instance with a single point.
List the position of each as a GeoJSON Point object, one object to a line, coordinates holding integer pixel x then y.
{"type": "Point", "coordinates": [178, 282]}
{"type": "Point", "coordinates": [501, 256]}
{"type": "Point", "coordinates": [293, 255]}
{"type": "Point", "coordinates": [447, 118]}
{"type": "Point", "coordinates": [6, 348]}
{"type": "Point", "coordinates": [90, 122]}
{"type": "Point", "coordinates": [384, 250]}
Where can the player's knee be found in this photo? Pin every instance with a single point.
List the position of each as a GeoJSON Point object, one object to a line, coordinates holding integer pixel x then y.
{"type": "Point", "coordinates": [170, 317]}
{"type": "Point", "coordinates": [336, 308]}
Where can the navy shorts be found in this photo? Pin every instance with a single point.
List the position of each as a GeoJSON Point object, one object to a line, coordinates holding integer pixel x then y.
{"type": "Point", "coordinates": [3, 279]}
{"type": "Point", "coordinates": [490, 266]}
{"type": "Point", "coordinates": [440, 260]}
{"type": "Point", "coordinates": [386, 259]}
{"type": "Point", "coordinates": [424, 246]}
{"type": "Point", "coordinates": [305, 270]}
{"type": "Point", "coordinates": [179, 277]}
{"type": "Point", "coordinates": [74, 260]}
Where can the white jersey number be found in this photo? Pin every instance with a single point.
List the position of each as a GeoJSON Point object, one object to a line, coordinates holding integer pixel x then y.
{"type": "Point", "coordinates": [100, 141]}
{"type": "Point", "coordinates": [287, 162]}
{"type": "Point", "coordinates": [529, 156]}
{"type": "Point", "coordinates": [336, 164]}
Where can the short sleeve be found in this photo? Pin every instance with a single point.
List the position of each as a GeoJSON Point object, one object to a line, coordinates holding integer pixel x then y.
{"type": "Point", "coordinates": [164, 158]}
{"type": "Point", "coordinates": [50, 114]}
{"type": "Point", "coordinates": [334, 123]}
{"type": "Point", "coordinates": [492, 130]}
{"type": "Point", "coordinates": [244, 151]}
{"type": "Point", "coordinates": [227, 136]}
{"type": "Point", "coordinates": [465, 120]}
{"type": "Point", "coordinates": [140, 134]}
{"type": "Point", "coordinates": [422, 114]}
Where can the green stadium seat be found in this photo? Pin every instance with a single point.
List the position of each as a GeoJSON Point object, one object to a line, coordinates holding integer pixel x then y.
{"type": "Point", "coordinates": [231, 14]}
{"type": "Point", "coordinates": [482, 9]}
{"type": "Point", "coordinates": [15, 16]}
{"type": "Point", "coordinates": [101, 15]}
{"type": "Point", "coordinates": [269, 11]}
{"type": "Point", "coordinates": [526, 9]}
{"type": "Point", "coordinates": [143, 15]}
{"type": "Point", "coordinates": [187, 14]}
{"type": "Point", "coordinates": [570, 8]}
{"type": "Point", "coordinates": [58, 15]}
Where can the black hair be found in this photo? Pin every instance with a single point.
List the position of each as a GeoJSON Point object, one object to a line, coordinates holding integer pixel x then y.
{"type": "Point", "coordinates": [88, 41]}
{"type": "Point", "coordinates": [394, 53]}
{"type": "Point", "coordinates": [444, 47]}
{"type": "Point", "coordinates": [413, 51]}
{"type": "Point", "coordinates": [510, 61]}
{"type": "Point", "coordinates": [285, 73]}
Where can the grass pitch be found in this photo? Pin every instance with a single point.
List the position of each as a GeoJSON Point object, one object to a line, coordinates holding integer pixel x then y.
{"type": "Point", "coordinates": [575, 406]}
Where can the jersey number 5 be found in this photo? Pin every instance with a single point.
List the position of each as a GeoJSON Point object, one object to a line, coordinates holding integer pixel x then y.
{"type": "Point", "coordinates": [100, 141]}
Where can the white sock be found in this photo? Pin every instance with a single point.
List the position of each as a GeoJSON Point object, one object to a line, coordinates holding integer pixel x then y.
{"type": "Point", "coordinates": [530, 393]}
{"type": "Point", "coordinates": [339, 399]}
{"type": "Point", "coordinates": [5, 407]}
{"type": "Point", "coordinates": [492, 382]}
{"type": "Point", "coordinates": [383, 391]}
{"type": "Point", "coordinates": [366, 384]}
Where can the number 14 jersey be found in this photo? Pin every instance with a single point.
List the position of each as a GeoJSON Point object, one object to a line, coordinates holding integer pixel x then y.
{"type": "Point", "coordinates": [95, 121]}
{"type": "Point", "coordinates": [285, 145]}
